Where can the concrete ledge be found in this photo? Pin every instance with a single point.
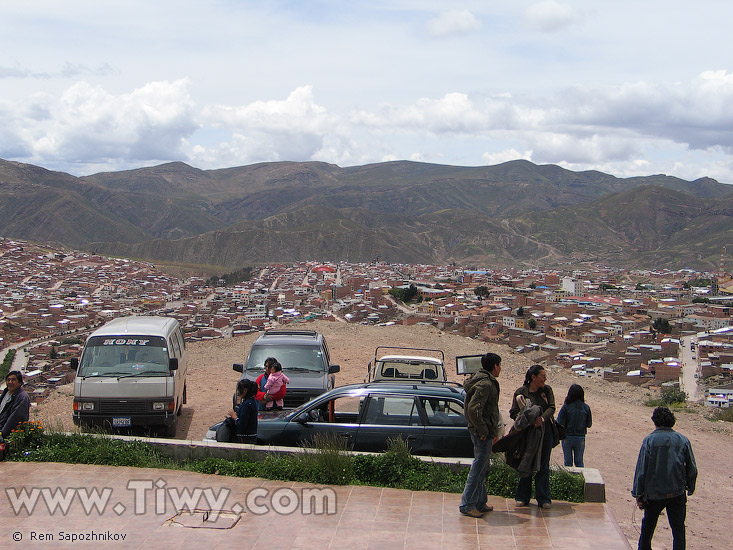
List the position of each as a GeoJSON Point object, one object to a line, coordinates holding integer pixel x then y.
{"type": "Point", "coordinates": [179, 449]}
{"type": "Point", "coordinates": [595, 488]}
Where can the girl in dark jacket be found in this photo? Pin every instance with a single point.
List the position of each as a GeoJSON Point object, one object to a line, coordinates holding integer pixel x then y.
{"type": "Point", "coordinates": [575, 415]}
{"type": "Point", "coordinates": [245, 417]}
{"type": "Point", "coordinates": [536, 390]}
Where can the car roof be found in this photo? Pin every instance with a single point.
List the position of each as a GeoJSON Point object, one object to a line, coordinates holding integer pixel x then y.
{"type": "Point", "coordinates": [428, 388]}
{"type": "Point", "coordinates": [138, 325]}
{"type": "Point", "coordinates": [290, 337]}
{"type": "Point", "coordinates": [410, 358]}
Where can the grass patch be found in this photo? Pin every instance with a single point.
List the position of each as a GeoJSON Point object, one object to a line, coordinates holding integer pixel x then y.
{"type": "Point", "coordinates": [671, 397]}
{"type": "Point", "coordinates": [328, 463]}
{"type": "Point", "coordinates": [726, 415]}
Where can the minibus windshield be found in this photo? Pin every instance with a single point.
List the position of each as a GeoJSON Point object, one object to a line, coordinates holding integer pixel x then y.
{"type": "Point", "coordinates": [124, 356]}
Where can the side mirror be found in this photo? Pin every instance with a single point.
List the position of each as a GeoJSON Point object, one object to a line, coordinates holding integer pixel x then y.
{"type": "Point", "coordinates": [173, 363]}
{"type": "Point", "coordinates": [302, 418]}
{"type": "Point", "coordinates": [332, 369]}
{"type": "Point", "coordinates": [239, 367]}
{"type": "Point", "coordinates": [74, 363]}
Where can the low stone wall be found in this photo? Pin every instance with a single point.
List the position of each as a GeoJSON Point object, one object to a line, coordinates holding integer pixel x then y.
{"type": "Point", "coordinates": [595, 490]}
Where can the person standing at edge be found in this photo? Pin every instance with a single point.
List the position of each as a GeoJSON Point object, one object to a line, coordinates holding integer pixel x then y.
{"type": "Point", "coordinates": [539, 393]}
{"type": "Point", "coordinates": [575, 415]}
{"type": "Point", "coordinates": [665, 469]}
{"type": "Point", "coordinates": [482, 415]}
{"type": "Point", "coordinates": [15, 405]}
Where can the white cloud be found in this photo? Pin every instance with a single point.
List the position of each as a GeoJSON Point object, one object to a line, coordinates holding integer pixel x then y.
{"type": "Point", "coordinates": [550, 16]}
{"type": "Point", "coordinates": [87, 122]}
{"type": "Point", "coordinates": [553, 147]}
{"type": "Point", "coordinates": [505, 156]}
{"type": "Point", "coordinates": [68, 70]}
{"type": "Point", "coordinates": [299, 112]}
{"type": "Point", "coordinates": [453, 113]}
{"type": "Point", "coordinates": [296, 128]}
{"type": "Point", "coordinates": [696, 113]}
{"type": "Point", "coordinates": [451, 23]}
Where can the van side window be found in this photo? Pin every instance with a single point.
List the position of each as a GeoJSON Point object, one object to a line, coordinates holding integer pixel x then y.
{"type": "Point", "coordinates": [181, 339]}
{"type": "Point", "coordinates": [174, 346]}
{"type": "Point", "coordinates": [179, 345]}
{"type": "Point", "coordinates": [328, 356]}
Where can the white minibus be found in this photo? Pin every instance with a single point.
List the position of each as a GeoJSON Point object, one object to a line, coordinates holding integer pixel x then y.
{"type": "Point", "coordinates": [132, 373]}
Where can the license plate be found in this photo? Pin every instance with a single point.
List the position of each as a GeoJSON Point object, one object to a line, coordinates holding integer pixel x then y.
{"type": "Point", "coordinates": [121, 421]}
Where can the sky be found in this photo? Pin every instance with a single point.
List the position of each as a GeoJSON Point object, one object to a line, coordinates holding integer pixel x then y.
{"type": "Point", "coordinates": [625, 87]}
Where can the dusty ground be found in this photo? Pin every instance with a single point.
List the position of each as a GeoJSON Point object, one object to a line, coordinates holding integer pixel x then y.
{"type": "Point", "coordinates": [620, 419]}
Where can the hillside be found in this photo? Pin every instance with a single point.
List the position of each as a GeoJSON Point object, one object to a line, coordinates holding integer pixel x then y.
{"type": "Point", "coordinates": [516, 213]}
{"type": "Point", "coordinates": [620, 420]}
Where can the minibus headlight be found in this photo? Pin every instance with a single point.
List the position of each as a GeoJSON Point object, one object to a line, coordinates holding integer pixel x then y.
{"type": "Point", "coordinates": [163, 405]}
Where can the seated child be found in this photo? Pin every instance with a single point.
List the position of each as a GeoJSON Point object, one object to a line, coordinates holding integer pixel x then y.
{"type": "Point", "coordinates": [275, 381]}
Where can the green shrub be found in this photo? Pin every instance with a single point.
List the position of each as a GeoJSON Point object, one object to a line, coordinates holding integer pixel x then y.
{"type": "Point", "coordinates": [25, 439]}
{"type": "Point", "coordinates": [566, 486]}
{"type": "Point", "coordinates": [7, 363]}
{"type": "Point", "coordinates": [502, 479]}
{"type": "Point", "coordinates": [329, 463]}
{"type": "Point", "coordinates": [672, 395]}
{"type": "Point", "coordinates": [724, 414]}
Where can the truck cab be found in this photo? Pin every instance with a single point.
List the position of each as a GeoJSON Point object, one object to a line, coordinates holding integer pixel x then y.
{"type": "Point", "coordinates": [414, 366]}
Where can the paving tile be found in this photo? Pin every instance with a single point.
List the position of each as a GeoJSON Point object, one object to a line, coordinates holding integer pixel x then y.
{"type": "Point", "coordinates": [364, 518]}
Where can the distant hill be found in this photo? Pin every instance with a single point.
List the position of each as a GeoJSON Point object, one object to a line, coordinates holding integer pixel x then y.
{"type": "Point", "coordinates": [516, 213]}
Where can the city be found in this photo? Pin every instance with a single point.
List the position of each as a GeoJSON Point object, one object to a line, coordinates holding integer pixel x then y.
{"type": "Point", "coordinates": [637, 327]}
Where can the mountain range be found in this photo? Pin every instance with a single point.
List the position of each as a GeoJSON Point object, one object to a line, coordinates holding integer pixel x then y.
{"type": "Point", "coordinates": [512, 214]}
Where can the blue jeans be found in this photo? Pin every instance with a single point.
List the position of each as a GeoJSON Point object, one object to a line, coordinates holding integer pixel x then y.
{"type": "Point", "coordinates": [676, 512]}
{"type": "Point", "coordinates": [474, 495]}
{"type": "Point", "coordinates": [542, 477]}
{"type": "Point", "coordinates": [573, 446]}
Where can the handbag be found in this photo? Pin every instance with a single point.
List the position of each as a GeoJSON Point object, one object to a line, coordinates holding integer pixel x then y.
{"type": "Point", "coordinates": [558, 432]}
{"type": "Point", "coordinates": [561, 431]}
{"type": "Point", "coordinates": [226, 431]}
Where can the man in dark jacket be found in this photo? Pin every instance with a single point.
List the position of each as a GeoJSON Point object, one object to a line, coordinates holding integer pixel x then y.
{"type": "Point", "coordinates": [664, 471]}
{"type": "Point", "coordinates": [15, 405]}
{"type": "Point", "coordinates": [481, 409]}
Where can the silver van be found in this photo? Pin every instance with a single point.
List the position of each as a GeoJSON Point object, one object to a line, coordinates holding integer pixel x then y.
{"type": "Point", "coordinates": [304, 357]}
{"type": "Point", "coordinates": [132, 373]}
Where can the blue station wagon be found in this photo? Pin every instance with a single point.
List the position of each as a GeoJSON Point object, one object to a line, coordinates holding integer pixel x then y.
{"type": "Point", "coordinates": [428, 415]}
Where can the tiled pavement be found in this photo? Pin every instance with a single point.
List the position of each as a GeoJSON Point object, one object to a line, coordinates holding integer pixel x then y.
{"type": "Point", "coordinates": [363, 518]}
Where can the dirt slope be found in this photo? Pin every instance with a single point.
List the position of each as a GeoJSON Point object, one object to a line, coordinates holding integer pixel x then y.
{"type": "Point", "coordinates": [620, 419]}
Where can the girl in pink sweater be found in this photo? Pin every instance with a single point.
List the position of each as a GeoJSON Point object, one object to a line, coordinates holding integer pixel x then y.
{"type": "Point", "coordinates": [274, 382]}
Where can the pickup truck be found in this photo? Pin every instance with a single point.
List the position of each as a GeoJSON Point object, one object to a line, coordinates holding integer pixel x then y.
{"type": "Point", "coordinates": [411, 365]}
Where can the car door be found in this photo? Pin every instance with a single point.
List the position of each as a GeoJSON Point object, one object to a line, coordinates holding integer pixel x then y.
{"type": "Point", "coordinates": [388, 416]}
{"type": "Point", "coordinates": [334, 417]}
{"type": "Point", "coordinates": [446, 432]}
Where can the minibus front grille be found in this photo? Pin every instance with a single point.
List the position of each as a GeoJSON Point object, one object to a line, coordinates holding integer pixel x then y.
{"type": "Point", "coordinates": [123, 407]}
